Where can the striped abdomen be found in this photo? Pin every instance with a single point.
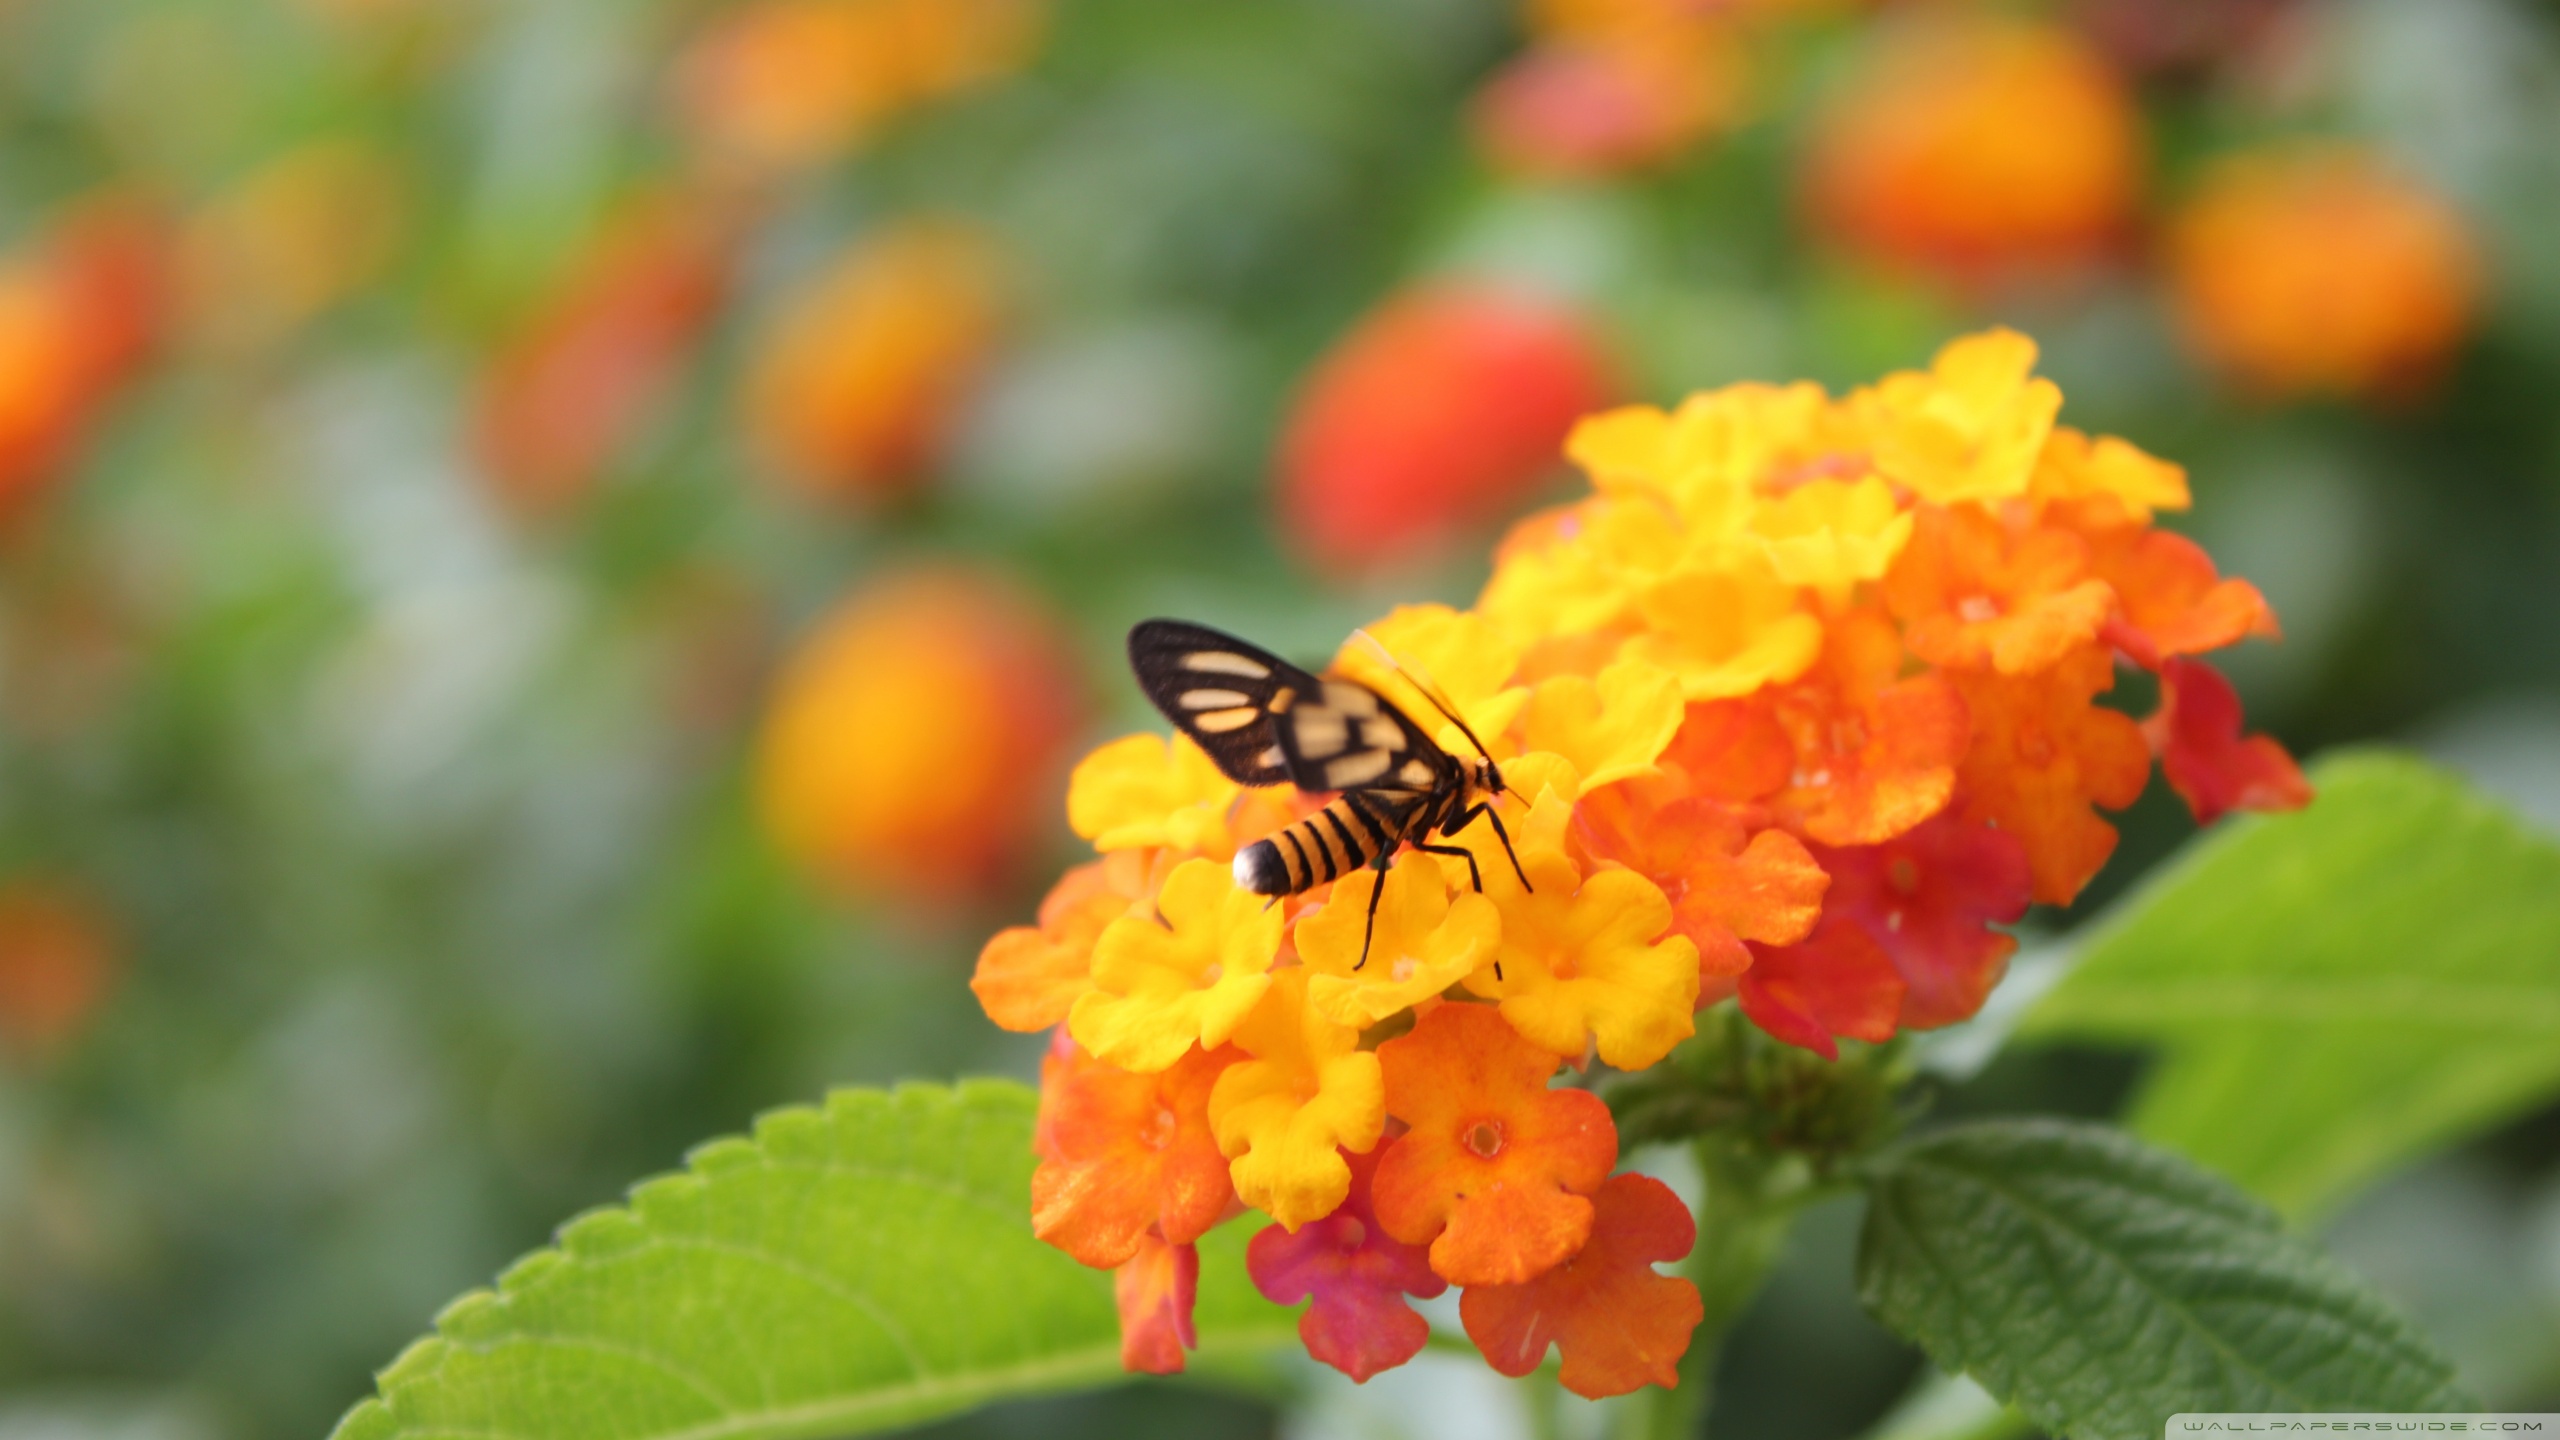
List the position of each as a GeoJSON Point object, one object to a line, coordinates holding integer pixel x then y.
{"type": "Point", "coordinates": [1356, 828]}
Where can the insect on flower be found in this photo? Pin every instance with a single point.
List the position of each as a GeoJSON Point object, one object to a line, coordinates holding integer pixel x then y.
{"type": "Point", "coordinates": [1264, 721]}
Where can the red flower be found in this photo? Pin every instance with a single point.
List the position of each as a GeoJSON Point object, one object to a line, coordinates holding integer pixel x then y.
{"type": "Point", "coordinates": [1358, 1276]}
{"type": "Point", "coordinates": [1494, 1171]}
{"type": "Point", "coordinates": [1620, 1324]}
{"type": "Point", "coordinates": [1928, 898]}
{"type": "Point", "coordinates": [1838, 982]}
{"type": "Point", "coordinates": [1442, 410]}
{"type": "Point", "coordinates": [2212, 766]}
{"type": "Point", "coordinates": [567, 394]}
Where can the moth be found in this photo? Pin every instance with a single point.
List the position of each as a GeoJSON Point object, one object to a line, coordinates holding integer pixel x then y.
{"type": "Point", "coordinates": [1264, 721]}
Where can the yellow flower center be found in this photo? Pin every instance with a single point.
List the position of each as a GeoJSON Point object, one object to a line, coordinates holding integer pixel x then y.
{"type": "Point", "coordinates": [1403, 969]}
{"type": "Point", "coordinates": [1215, 973]}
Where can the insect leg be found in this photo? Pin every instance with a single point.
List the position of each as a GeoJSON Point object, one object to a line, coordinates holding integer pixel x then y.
{"type": "Point", "coordinates": [1462, 853]}
{"type": "Point", "coordinates": [1368, 932]}
{"type": "Point", "coordinates": [1466, 817]}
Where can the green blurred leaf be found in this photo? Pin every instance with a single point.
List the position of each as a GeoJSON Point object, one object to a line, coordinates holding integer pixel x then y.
{"type": "Point", "coordinates": [2335, 990]}
{"type": "Point", "coordinates": [2102, 1286]}
{"type": "Point", "coordinates": [851, 1268]}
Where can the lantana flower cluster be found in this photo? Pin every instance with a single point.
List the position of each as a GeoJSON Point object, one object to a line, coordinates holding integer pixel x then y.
{"type": "Point", "coordinates": [1799, 706]}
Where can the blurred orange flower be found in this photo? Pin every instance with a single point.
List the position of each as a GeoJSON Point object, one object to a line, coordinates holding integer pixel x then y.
{"type": "Point", "coordinates": [913, 741]}
{"type": "Point", "coordinates": [785, 84]}
{"type": "Point", "coordinates": [856, 387]}
{"type": "Point", "coordinates": [57, 960]}
{"type": "Point", "coordinates": [2322, 270]}
{"type": "Point", "coordinates": [1445, 407]}
{"type": "Point", "coordinates": [566, 393]}
{"type": "Point", "coordinates": [79, 310]}
{"type": "Point", "coordinates": [1972, 147]}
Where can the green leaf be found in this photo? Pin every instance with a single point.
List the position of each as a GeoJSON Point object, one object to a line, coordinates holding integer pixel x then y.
{"type": "Point", "coordinates": [2337, 990]}
{"type": "Point", "coordinates": [851, 1268]}
{"type": "Point", "coordinates": [2102, 1286]}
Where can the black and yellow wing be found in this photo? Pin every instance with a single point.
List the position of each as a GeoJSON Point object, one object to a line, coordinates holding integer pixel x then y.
{"type": "Point", "coordinates": [1226, 695]}
{"type": "Point", "coordinates": [1264, 720]}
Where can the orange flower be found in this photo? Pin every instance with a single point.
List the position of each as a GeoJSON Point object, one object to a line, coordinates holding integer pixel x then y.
{"type": "Point", "coordinates": [566, 394]}
{"type": "Point", "coordinates": [1973, 592]}
{"type": "Point", "coordinates": [2042, 756]}
{"type": "Point", "coordinates": [856, 389]}
{"type": "Point", "coordinates": [911, 739]}
{"type": "Point", "coordinates": [1965, 145]}
{"type": "Point", "coordinates": [2170, 600]}
{"type": "Point", "coordinates": [1443, 409]}
{"type": "Point", "coordinates": [1030, 975]}
{"type": "Point", "coordinates": [1155, 1291]}
{"type": "Point", "coordinates": [1728, 876]}
{"type": "Point", "coordinates": [1874, 755]}
{"type": "Point", "coordinates": [1620, 1323]}
{"type": "Point", "coordinates": [57, 960]}
{"type": "Point", "coordinates": [1494, 1167]}
{"type": "Point", "coordinates": [2322, 271]}
{"type": "Point", "coordinates": [789, 84]}
{"type": "Point", "coordinates": [1125, 1156]}
{"type": "Point", "coordinates": [2212, 766]}
{"type": "Point", "coordinates": [78, 312]}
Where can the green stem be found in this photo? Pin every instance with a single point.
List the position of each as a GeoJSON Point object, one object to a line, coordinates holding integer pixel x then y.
{"type": "Point", "coordinates": [1752, 1199]}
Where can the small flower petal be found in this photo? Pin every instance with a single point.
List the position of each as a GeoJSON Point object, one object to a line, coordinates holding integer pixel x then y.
{"type": "Point", "coordinates": [1619, 1323]}
{"type": "Point", "coordinates": [1424, 942]}
{"type": "Point", "coordinates": [1358, 1276]}
{"type": "Point", "coordinates": [1284, 1115]}
{"type": "Point", "coordinates": [1579, 964]}
{"type": "Point", "coordinates": [1838, 982]}
{"type": "Point", "coordinates": [1159, 986]}
{"type": "Point", "coordinates": [1123, 1154]}
{"type": "Point", "coordinates": [1493, 1168]}
{"type": "Point", "coordinates": [1155, 1293]}
{"type": "Point", "coordinates": [2212, 766]}
{"type": "Point", "coordinates": [1147, 790]}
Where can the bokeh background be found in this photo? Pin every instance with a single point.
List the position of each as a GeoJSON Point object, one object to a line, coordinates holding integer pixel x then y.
{"type": "Point", "coordinates": [554, 554]}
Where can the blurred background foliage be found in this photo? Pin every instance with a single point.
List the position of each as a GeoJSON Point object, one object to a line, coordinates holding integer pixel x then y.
{"type": "Point", "coordinates": [557, 551]}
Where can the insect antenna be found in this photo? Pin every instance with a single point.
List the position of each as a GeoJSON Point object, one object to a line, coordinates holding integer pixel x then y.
{"type": "Point", "coordinates": [1429, 691]}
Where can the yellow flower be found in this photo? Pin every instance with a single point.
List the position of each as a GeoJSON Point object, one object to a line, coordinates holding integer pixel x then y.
{"type": "Point", "coordinates": [1726, 633]}
{"type": "Point", "coordinates": [1285, 1115]}
{"type": "Point", "coordinates": [1579, 963]}
{"type": "Point", "coordinates": [1708, 455]}
{"type": "Point", "coordinates": [1609, 728]}
{"type": "Point", "coordinates": [1972, 425]}
{"type": "Point", "coordinates": [1577, 569]}
{"type": "Point", "coordinates": [1425, 942]}
{"type": "Point", "coordinates": [1146, 790]}
{"type": "Point", "coordinates": [1160, 985]}
{"type": "Point", "coordinates": [1466, 656]}
{"type": "Point", "coordinates": [1831, 534]}
{"type": "Point", "coordinates": [2075, 467]}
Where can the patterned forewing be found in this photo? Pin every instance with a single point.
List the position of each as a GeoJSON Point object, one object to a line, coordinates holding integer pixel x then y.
{"type": "Point", "coordinates": [1223, 693]}
{"type": "Point", "coordinates": [1345, 737]}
